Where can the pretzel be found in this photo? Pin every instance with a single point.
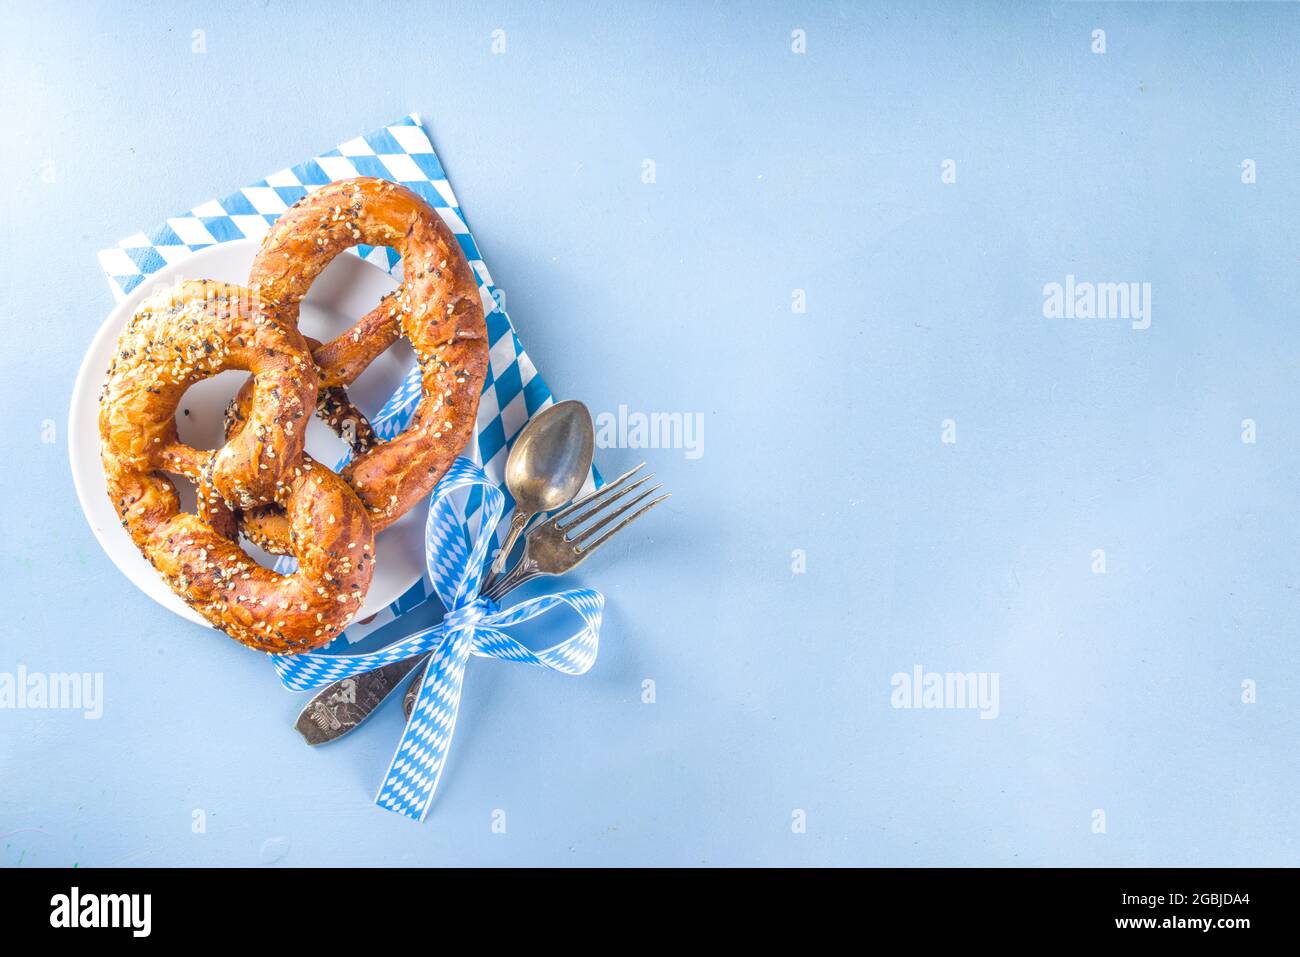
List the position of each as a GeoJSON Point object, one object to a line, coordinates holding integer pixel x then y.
{"type": "Point", "coordinates": [437, 308]}
{"type": "Point", "coordinates": [176, 338]}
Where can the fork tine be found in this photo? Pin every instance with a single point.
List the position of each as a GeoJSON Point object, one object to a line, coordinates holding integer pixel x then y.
{"type": "Point", "coordinates": [594, 508]}
{"type": "Point", "coordinates": [586, 550]}
{"type": "Point", "coordinates": [588, 533]}
{"type": "Point", "coordinates": [600, 494]}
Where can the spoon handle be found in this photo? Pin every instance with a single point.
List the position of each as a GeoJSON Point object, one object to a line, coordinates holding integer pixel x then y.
{"type": "Point", "coordinates": [517, 524]}
{"type": "Point", "coordinates": [348, 702]}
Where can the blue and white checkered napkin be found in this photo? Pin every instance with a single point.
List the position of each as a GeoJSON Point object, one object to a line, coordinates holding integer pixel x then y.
{"type": "Point", "coordinates": [514, 391]}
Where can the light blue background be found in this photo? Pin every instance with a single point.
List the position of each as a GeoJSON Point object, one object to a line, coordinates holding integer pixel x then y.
{"type": "Point", "coordinates": [776, 171]}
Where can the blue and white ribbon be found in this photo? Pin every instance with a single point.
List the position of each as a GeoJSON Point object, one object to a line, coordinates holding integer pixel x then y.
{"type": "Point", "coordinates": [455, 557]}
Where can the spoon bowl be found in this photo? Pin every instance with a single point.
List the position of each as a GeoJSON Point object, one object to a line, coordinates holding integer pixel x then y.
{"type": "Point", "coordinates": [550, 460]}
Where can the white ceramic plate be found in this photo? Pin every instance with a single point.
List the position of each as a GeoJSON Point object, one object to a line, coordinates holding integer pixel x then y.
{"type": "Point", "coordinates": [345, 291]}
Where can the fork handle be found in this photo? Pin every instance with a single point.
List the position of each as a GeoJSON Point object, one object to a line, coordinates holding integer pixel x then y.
{"type": "Point", "coordinates": [524, 570]}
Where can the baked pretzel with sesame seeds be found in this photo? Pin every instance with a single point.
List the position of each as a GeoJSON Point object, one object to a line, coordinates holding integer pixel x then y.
{"type": "Point", "coordinates": [437, 308]}
{"type": "Point", "coordinates": [176, 338]}
{"type": "Point", "coordinates": [332, 405]}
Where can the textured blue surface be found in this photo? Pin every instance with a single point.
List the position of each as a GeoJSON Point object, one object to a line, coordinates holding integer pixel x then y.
{"type": "Point", "coordinates": [775, 171]}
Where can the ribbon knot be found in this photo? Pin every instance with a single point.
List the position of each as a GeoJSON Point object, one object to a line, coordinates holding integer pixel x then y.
{"type": "Point", "coordinates": [467, 616]}
{"type": "Point", "coordinates": [454, 556]}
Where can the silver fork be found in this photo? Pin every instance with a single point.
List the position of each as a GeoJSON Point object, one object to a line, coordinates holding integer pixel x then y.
{"type": "Point", "coordinates": [557, 545]}
{"type": "Point", "coordinates": [550, 549]}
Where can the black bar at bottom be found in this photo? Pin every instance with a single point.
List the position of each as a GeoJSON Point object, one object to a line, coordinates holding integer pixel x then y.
{"type": "Point", "coordinates": [332, 906]}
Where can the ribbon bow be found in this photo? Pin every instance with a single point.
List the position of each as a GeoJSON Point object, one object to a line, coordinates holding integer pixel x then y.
{"type": "Point", "coordinates": [454, 556]}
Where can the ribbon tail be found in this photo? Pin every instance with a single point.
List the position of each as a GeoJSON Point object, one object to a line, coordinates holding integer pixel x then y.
{"type": "Point", "coordinates": [413, 774]}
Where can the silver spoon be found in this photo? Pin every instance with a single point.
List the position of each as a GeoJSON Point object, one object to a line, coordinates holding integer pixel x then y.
{"type": "Point", "coordinates": [546, 468]}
